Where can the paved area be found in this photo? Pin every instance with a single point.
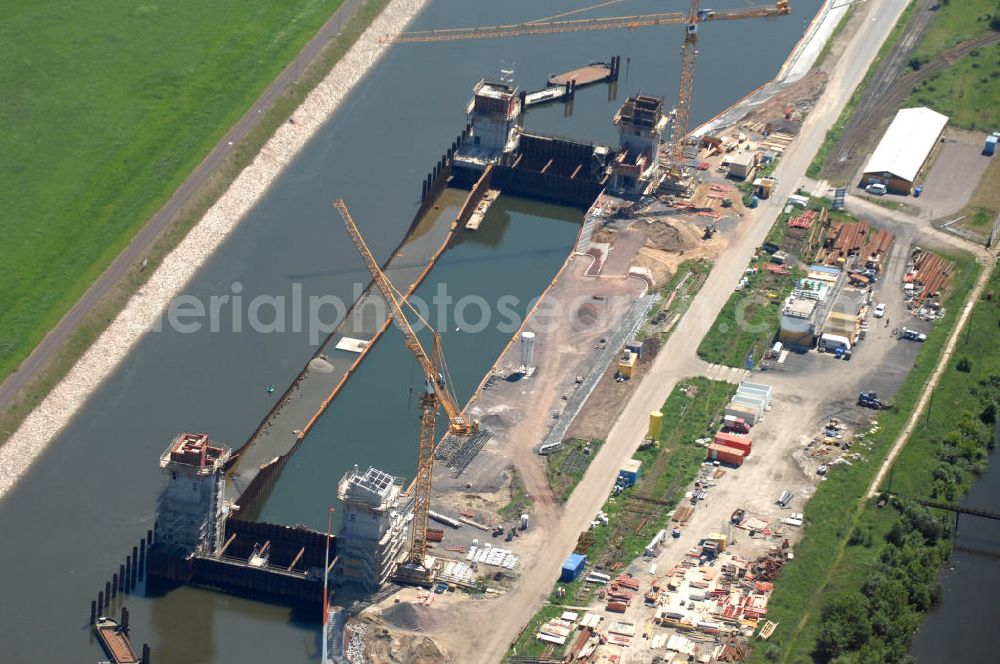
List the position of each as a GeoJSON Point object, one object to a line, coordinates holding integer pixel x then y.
{"type": "Point", "coordinates": [953, 177]}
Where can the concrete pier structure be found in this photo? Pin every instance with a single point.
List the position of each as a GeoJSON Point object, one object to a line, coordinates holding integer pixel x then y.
{"type": "Point", "coordinates": [493, 129]}
{"type": "Point", "coordinates": [373, 537]}
{"type": "Point", "coordinates": [640, 122]}
{"type": "Point", "coordinates": [191, 515]}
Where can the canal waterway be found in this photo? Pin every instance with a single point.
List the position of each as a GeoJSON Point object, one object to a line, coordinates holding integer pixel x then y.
{"type": "Point", "coordinates": [70, 520]}
{"type": "Point", "coordinates": [958, 629]}
{"type": "Point", "coordinates": [375, 420]}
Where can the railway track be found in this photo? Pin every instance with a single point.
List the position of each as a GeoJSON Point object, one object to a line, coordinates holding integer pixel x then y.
{"type": "Point", "coordinates": [891, 83]}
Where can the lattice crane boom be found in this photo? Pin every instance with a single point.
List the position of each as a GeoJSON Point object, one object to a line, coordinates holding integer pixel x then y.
{"type": "Point", "coordinates": [435, 394]}
{"type": "Point", "coordinates": [433, 367]}
{"type": "Point", "coordinates": [580, 25]}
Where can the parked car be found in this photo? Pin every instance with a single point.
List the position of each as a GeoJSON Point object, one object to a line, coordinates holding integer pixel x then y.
{"type": "Point", "coordinates": [880, 310]}
{"type": "Point", "coordinates": [912, 335]}
{"type": "Point", "coordinates": [876, 189]}
{"type": "Point", "coordinates": [822, 470]}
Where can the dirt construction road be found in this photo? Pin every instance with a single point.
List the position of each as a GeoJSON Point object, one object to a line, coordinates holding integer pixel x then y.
{"type": "Point", "coordinates": [678, 359]}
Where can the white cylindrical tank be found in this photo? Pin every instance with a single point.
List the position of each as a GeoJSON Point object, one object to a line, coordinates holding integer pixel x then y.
{"type": "Point", "coordinates": [527, 350]}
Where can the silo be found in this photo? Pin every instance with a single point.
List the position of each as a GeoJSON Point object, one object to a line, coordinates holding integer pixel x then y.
{"type": "Point", "coordinates": [527, 352]}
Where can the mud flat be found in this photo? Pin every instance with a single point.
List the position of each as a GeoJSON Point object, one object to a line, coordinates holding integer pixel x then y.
{"type": "Point", "coordinates": [147, 306]}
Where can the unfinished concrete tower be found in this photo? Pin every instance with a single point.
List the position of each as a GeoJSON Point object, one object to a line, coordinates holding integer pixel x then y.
{"type": "Point", "coordinates": [190, 514]}
{"type": "Point", "coordinates": [640, 123]}
{"type": "Point", "coordinates": [493, 128]}
{"type": "Point", "coordinates": [372, 538]}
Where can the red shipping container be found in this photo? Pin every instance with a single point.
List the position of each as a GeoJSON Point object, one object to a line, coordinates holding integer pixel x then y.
{"type": "Point", "coordinates": [736, 440]}
{"type": "Point", "coordinates": [730, 455]}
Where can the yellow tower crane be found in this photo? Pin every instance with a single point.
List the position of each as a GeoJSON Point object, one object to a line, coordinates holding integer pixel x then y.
{"type": "Point", "coordinates": [691, 19]}
{"type": "Point", "coordinates": [436, 394]}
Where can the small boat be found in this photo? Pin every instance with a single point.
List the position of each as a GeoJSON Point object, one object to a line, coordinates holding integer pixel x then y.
{"type": "Point", "coordinates": [269, 389]}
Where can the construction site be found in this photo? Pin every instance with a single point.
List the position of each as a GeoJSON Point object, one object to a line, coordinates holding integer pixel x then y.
{"type": "Point", "coordinates": [706, 506]}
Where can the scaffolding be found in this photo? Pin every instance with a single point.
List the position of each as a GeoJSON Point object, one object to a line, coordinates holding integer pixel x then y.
{"type": "Point", "coordinates": [374, 533]}
{"type": "Point", "coordinates": [191, 513]}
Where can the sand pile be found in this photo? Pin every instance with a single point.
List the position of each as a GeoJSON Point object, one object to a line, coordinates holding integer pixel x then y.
{"type": "Point", "coordinates": [675, 237]}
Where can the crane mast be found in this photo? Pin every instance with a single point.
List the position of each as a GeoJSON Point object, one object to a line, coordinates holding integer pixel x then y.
{"type": "Point", "coordinates": [436, 393]}
{"type": "Point", "coordinates": [689, 51]}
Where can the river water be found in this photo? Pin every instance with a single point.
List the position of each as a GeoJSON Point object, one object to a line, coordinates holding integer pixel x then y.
{"type": "Point", "coordinates": [69, 522]}
{"type": "Point", "coordinates": [958, 629]}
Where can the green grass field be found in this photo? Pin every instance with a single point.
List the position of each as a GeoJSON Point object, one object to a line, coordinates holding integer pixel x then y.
{"type": "Point", "coordinates": [956, 21]}
{"type": "Point", "coordinates": [107, 107]}
{"type": "Point", "coordinates": [836, 512]}
{"type": "Point", "coordinates": [968, 92]}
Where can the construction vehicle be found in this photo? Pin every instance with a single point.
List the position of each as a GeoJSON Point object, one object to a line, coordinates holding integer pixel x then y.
{"type": "Point", "coordinates": [436, 394]}
{"type": "Point", "coordinates": [709, 231]}
{"type": "Point", "coordinates": [870, 400]}
{"type": "Point", "coordinates": [695, 15]}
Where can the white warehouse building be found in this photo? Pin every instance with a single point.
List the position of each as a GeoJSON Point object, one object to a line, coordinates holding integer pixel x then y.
{"type": "Point", "coordinates": [904, 149]}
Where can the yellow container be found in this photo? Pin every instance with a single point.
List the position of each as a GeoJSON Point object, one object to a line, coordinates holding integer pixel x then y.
{"type": "Point", "coordinates": [655, 424]}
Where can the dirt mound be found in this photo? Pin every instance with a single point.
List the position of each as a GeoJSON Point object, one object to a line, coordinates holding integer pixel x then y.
{"type": "Point", "coordinates": [381, 647]}
{"type": "Point", "coordinates": [587, 314]}
{"type": "Point", "coordinates": [675, 237]}
{"type": "Point", "coordinates": [402, 616]}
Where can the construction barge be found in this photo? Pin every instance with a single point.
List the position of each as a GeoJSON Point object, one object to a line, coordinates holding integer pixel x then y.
{"type": "Point", "coordinates": [113, 636]}
{"type": "Point", "coordinates": [595, 72]}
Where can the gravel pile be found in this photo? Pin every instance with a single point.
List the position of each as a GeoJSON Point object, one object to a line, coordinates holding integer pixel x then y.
{"type": "Point", "coordinates": [142, 311]}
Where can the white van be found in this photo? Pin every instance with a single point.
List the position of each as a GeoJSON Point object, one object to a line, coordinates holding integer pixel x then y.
{"type": "Point", "coordinates": [831, 342]}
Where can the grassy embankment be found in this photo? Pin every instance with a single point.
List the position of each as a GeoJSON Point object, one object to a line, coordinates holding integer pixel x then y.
{"type": "Point", "coordinates": [114, 107]}
{"type": "Point", "coordinates": [566, 466]}
{"type": "Point", "coordinates": [520, 501]}
{"type": "Point", "coordinates": [843, 544]}
{"type": "Point", "coordinates": [687, 281]}
{"type": "Point", "coordinates": [749, 320]}
{"type": "Point", "coordinates": [692, 410]}
{"type": "Point", "coordinates": [984, 206]}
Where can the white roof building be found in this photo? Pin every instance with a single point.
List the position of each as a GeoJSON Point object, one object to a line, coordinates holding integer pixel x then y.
{"type": "Point", "coordinates": [907, 142]}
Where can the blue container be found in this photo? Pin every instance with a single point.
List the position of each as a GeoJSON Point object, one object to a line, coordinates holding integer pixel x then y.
{"type": "Point", "coordinates": [572, 567]}
{"type": "Point", "coordinates": [917, 191]}
{"type": "Point", "coordinates": [630, 472]}
{"type": "Point", "coordinates": [991, 146]}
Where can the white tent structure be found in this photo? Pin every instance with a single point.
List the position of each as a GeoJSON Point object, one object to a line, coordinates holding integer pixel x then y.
{"type": "Point", "coordinates": [904, 148]}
